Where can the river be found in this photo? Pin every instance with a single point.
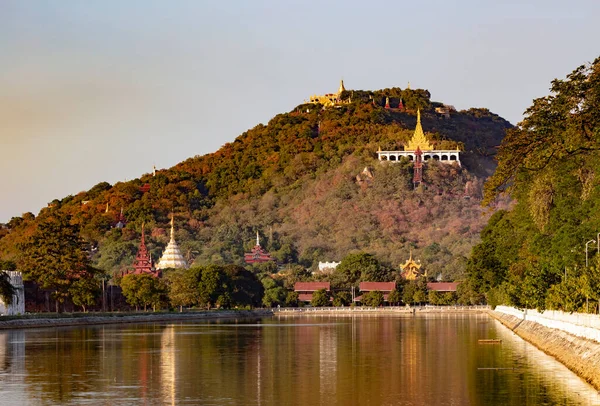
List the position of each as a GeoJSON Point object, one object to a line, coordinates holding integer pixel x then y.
{"type": "Point", "coordinates": [432, 359]}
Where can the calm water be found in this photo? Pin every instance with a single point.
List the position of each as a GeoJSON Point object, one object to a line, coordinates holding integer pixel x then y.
{"type": "Point", "coordinates": [385, 360]}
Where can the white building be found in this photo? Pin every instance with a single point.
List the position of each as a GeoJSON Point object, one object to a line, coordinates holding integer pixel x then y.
{"type": "Point", "coordinates": [419, 141]}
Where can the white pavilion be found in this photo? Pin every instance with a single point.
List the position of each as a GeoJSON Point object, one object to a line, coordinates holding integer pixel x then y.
{"type": "Point", "coordinates": [419, 141]}
{"type": "Point", "coordinates": [171, 257]}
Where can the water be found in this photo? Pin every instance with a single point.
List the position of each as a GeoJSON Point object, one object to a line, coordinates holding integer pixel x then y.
{"type": "Point", "coordinates": [362, 360]}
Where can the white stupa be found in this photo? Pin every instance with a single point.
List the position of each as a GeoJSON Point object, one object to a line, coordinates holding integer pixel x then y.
{"type": "Point", "coordinates": [171, 257]}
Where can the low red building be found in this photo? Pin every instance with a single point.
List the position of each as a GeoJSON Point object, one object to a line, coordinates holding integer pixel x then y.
{"type": "Point", "coordinates": [383, 287]}
{"type": "Point", "coordinates": [443, 287]}
{"type": "Point", "coordinates": [306, 289]}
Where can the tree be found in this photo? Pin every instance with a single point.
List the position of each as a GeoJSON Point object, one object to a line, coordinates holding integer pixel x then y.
{"type": "Point", "coordinates": [84, 292]}
{"type": "Point", "coordinates": [394, 297]}
{"type": "Point", "coordinates": [361, 267]}
{"type": "Point", "coordinates": [373, 298]}
{"type": "Point", "coordinates": [291, 300]}
{"type": "Point", "coordinates": [55, 257]}
{"type": "Point", "coordinates": [342, 298]}
{"type": "Point", "coordinates": [7, 290]}
{"type": "Point", "coordinates": [182, 288]}
{"type": "Point", "coordinates": [320, 298]}
{"type": "Point", "coordinates": [143, 290]}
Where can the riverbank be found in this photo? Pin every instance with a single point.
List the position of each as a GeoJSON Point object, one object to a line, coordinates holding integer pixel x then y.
{"type": "Point", "coordinates": [82, 319]}
{"type": "Point", "coordinates": [580, 355]}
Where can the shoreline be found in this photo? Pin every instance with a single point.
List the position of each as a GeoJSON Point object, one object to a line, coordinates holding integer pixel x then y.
{"type": "Point", "coordinates": [121, 318]}
{"type": "Point", "coordinates": [580, 355]}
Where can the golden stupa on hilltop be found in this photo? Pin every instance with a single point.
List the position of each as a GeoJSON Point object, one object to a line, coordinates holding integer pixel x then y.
{"type": "Point", "coordinates": [418, 140]}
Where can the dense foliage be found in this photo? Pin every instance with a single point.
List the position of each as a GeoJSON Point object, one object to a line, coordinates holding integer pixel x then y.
{"type": "Point", "coordinates": [534, 255]}
{"type": "Point", "coordinates": [299, 181]}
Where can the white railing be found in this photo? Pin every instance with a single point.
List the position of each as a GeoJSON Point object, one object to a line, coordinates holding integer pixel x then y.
{"type": "Point", "coordinates": [579, 324]}
{"type": "Point", "coordinates": [364, 309]}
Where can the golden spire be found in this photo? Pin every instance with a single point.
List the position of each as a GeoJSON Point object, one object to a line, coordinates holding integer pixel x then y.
{"type": "Point", "coordinates": [418, 139]}
{"type": "Point", "coordinates": [172, 227]}
{"type": "Point", "coordinates": [342, 88]}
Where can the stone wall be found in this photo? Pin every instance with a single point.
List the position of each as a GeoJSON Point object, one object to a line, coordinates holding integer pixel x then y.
{"type": "Point", "coordinates": [581, 355]}
{"type": "Point", "coordinates": [579, 324]}
{"type": "Point", "coordinates": [18, 301]}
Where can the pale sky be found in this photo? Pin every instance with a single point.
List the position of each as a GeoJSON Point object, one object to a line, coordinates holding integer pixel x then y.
{"type": "Point", "coordinates": [94, 91]}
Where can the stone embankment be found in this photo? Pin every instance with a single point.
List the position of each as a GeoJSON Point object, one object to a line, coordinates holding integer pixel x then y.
{"type": "Point", "coordinates": [571, 339]}
{"type": "Point", "coordinates": [114, 318]}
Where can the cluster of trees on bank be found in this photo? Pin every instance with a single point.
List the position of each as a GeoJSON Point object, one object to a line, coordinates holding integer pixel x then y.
{"type": "Point", "coordinates": [534, 254]}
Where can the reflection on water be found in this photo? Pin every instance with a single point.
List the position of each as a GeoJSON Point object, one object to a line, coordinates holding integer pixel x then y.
{"type": "Point", "coordinates": [362, 360]}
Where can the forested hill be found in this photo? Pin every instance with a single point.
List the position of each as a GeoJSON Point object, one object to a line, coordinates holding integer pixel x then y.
{"type": "Point", "coordinates": [299, 181]}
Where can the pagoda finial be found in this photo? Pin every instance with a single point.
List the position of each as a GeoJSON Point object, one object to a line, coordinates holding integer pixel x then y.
{"type": "Point", "coordinates": [418, 139]}
{"type": "Point", "coordinates": [172, 227]}
{"type": "Point", "coordinates": [342, 88]}
{"type": "Point", "coordinates": [106, 211]}
{"type": "Point", "coordinates": [153, 170]}
{"type": "Point", "coordinates": [257, 240]}
{"type": "Point", "coordinates": [143, 235]}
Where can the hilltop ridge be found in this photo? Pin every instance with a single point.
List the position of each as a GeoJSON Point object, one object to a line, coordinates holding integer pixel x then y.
{"type": "Point", "coordinates": [295, 181]}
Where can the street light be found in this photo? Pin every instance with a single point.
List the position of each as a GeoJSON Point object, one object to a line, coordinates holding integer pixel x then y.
{"type": "Point", "coordinates": [586, 251]}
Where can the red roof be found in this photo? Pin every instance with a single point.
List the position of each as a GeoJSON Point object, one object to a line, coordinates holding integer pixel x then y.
{"type": "Point", "coordinates": [443, 286]}
{"type": "Point", "coordinates": [305, 297]}
{"type": "Point", "coordinates": [380, 286]}
{"type": "Point", "coordinates": [311, 286]}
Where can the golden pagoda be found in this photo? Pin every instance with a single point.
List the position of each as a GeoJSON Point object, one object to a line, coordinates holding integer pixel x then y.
{"type": "Point", "coordinates": [418, 139]}
{"type": "Point", "coordinates": [342, 88]}
{"type": "Point", "coordinates": [411, 269]}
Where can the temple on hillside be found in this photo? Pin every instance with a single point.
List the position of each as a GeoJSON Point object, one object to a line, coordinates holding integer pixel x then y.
{"type": "Point", "coordinates": [420, 143]}
{"type": "Point", "coordinates": [258, 254]}
{"type": "Point", "coordinates": [171, 257]}
{"type": "Point", "coordinates": [143, 263]}
{"type": "Point", "coordinates": [411, 269]}
{"type": "Point", "coordinates": [330, 99]}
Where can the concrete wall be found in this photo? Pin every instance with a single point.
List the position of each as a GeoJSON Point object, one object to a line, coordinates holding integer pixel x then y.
{"type": "Point", "coordinates": [578, 324]}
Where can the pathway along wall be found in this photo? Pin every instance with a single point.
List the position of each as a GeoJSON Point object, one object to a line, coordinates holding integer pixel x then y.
{"type": "Point", "coordinates": [580, 355]}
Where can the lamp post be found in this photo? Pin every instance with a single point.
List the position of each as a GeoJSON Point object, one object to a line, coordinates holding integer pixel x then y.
{"type": "Point", "coordinates": [586, 251]}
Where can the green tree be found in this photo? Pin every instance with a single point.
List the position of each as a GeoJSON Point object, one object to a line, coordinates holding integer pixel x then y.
{"type": "Point", "coordinates": [320, 298]}
{"type": "Point", "coordinates": [361, 267]}
{"type": "Point", "coordinates": [373, 298]}
{"type": "Point", "coordinates": [291, 300]}
{"type": "Point", "coordinates": [394, 297]}
{"type": "Point", "coordinates": [143, 290]}
{"type": "Point", "coordinates": [6, 289]}
{"type": "Point", "coordinates": [182, 288]}
{"type": "Point", "coordinates": [342, 298]}
{"type": "Point", "coordinates": [84, 292]}
{"type": "Point", "coordinates": [55, 257]}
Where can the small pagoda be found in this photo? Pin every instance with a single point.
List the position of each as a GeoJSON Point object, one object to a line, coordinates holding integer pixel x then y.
{"type": "Point", "coordinates": [171, 257]}
{"type": "Point", "coordinates": [411, 270]}
{"type": "Point", "coordinates": [143, 263]}
{"type": "Point", "coordinates": [258, 254]}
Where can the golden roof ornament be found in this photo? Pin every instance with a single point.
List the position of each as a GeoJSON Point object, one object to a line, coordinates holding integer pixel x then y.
{"type": "Point", "coordinates": [418, 139]}
{"type": "Point", "coordinates": [342, 88]}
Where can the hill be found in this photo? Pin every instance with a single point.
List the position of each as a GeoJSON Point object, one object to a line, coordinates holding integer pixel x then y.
{"type": "Point", "coordinates": [298, 181]}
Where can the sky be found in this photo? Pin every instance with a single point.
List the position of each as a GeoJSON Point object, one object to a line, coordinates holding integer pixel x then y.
{"type": "Point", "coordinates": [102, 90]}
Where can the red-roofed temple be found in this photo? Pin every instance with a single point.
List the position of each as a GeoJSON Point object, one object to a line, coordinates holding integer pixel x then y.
{"type": "Point", "coordinates": [258, 254]}
{"type": "Point", "coordinates": [143, 263]}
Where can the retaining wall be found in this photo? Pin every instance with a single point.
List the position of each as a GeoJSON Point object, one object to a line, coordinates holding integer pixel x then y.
{"type": "Point", "coordinates": [581, 355]}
